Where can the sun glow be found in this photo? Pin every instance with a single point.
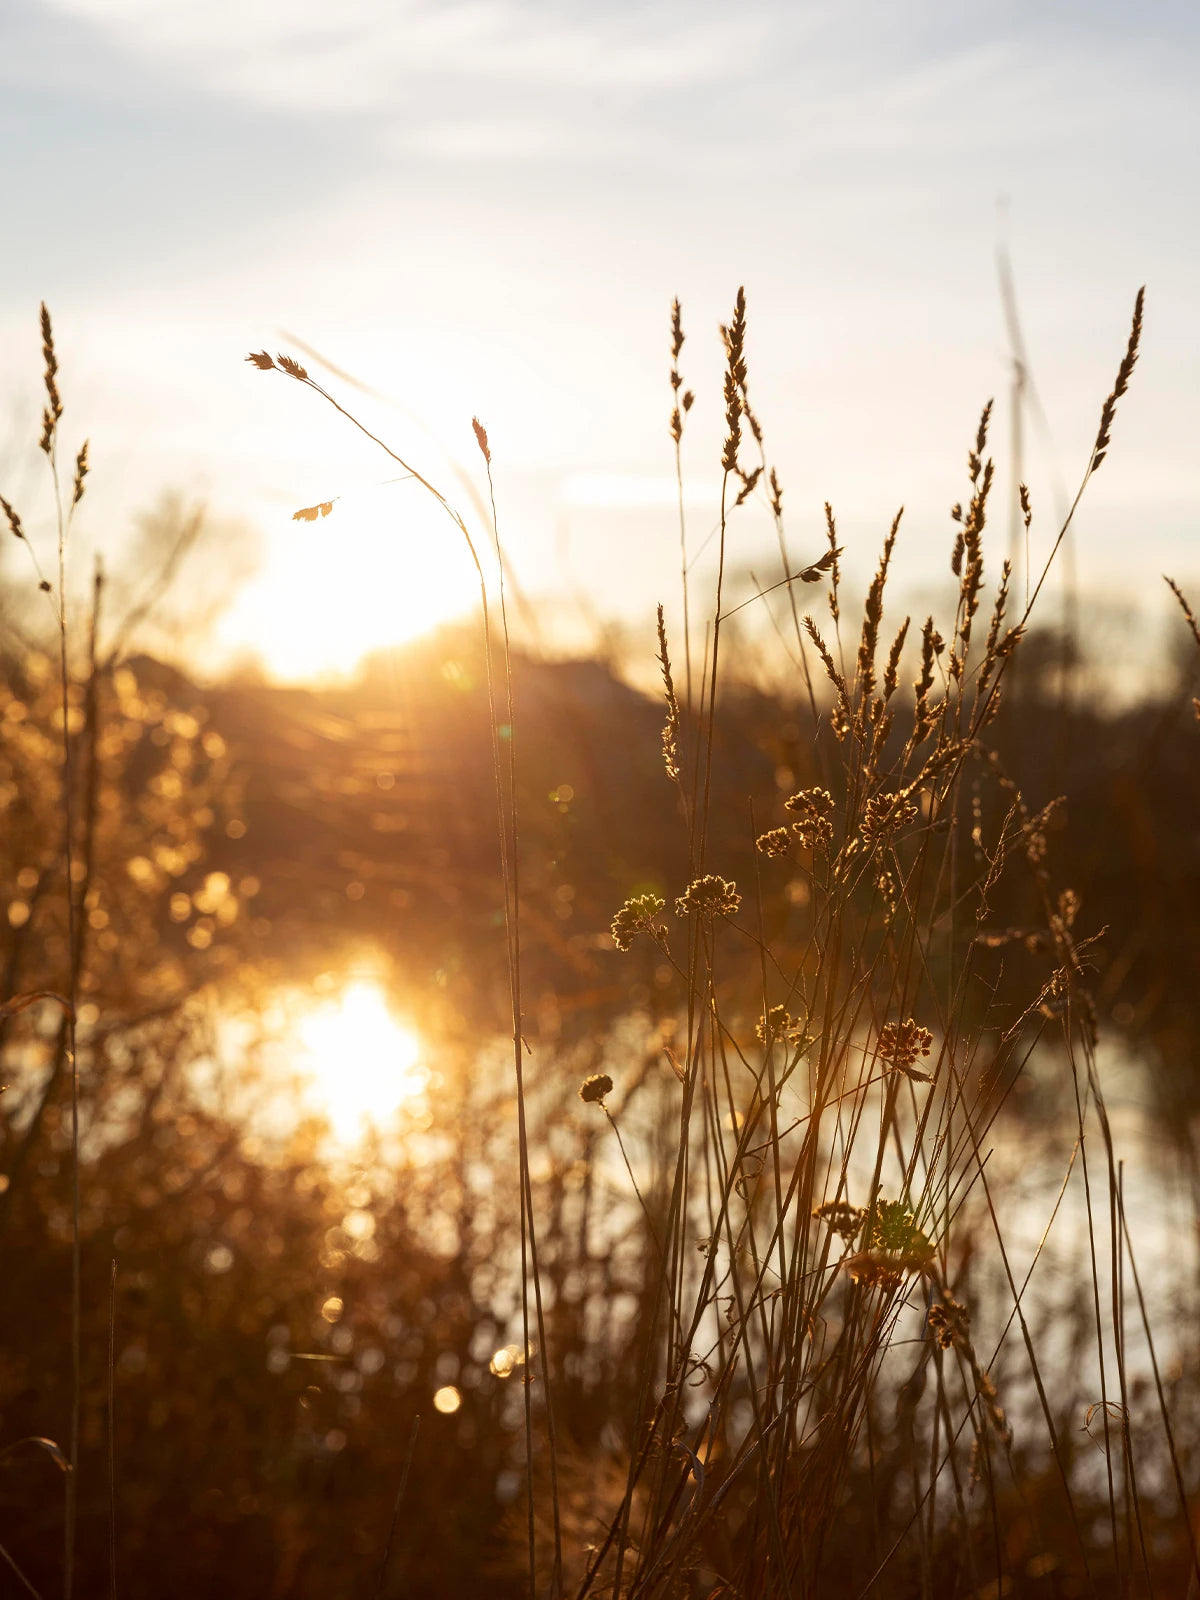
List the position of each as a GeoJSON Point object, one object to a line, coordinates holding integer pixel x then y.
{"type": "Point", "coordinates": [361, 1063]}
{"type": "Point", "coordinates": [385, 566]}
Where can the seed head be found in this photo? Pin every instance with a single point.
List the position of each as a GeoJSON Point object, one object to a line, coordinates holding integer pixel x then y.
{"type": "Point", "coordinates": [812, 809]}
{"type": "Point", "coordinates": [884, 815]}
{"type": "Point", "coordinates": [778, 1023]}
{"type": "Point", "coordinates": [774, 843]}
{"type": "Point", "coordinates": [709, 897]}
{"type": "Point", "coordinates": [637, 915]}
{"type": "Point", "coordinates": [481, 439]}
{"type": "Point", "coordinates": [901, 1044]}
{"type": "Point", "coordinates": [81, 472]}
{"type": "Point", "coordinates": [593, 1090]}
{"type": "Point", "coordinates": [950, 1321]}
{"type": "Point", "coordinates": [840, 1217]}
{"type": "Point", "coordinates": [14, 521]}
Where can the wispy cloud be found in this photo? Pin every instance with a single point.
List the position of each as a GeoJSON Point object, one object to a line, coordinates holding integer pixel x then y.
{"type": "Point", "coordinates": [360, 55]}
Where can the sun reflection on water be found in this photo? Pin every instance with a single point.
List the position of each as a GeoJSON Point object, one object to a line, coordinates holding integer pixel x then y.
{"type": "Point", "coordinates": [360, 1062]}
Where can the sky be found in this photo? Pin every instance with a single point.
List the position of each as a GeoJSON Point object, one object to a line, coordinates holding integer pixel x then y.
{"type": "Point", "coordinates": [487, 207]}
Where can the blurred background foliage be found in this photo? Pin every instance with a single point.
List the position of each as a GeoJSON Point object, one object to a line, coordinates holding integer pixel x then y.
{"type": "Point", "coordinates": [283, 1307]}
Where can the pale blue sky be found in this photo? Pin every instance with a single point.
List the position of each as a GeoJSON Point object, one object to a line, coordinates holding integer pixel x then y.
{"type": "Point", "coordinates": [487, 206]}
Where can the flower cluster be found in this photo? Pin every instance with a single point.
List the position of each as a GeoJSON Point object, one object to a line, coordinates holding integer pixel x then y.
{"type": "Point", "coordinates": [901, 1044]}
{"type": "Point", "coordinates": [812, 808]}
{"type": "Point", "coordinates": [637, 916]}
{"type": "Point", "coordinates": [884, 815]}
{"type": "Point", "coordinates": [894, 1228]}
{"type": "Point", "coordinates": [949, 1321]}
{"type": "Point", "coordinates": [593, 1090]}
{"type": "Point", "coordinates": [774, 843]}
{"type": "Point", "coordinates": [840, 1217]}
{"type": "Point", "coordinates": [709, 897]}
{"type": "Point", "coordinates": [778, 1023]}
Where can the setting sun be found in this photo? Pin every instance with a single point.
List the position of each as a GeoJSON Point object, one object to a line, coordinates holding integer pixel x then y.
{"type": "Point", "coordinates": [385, 566]}
{"type": "Point", "coordinates": [362, 1064]}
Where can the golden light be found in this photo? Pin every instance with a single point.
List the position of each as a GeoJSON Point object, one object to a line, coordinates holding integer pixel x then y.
{"type": "Point", "coordinates": [447, 1400]}
{"type": "Point", "coordinates": [386, 566]}
{"type": "Point", "coordinates": [362, 1064]}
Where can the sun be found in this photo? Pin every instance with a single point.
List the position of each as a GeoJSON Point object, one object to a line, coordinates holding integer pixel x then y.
{"type": "Point", "coordinates": [385, 566]}
{"type": "Point", "coordinates": [361, 1063]}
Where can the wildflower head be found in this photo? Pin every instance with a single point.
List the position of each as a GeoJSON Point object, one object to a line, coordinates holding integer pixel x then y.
{"type": "Point", "coordinates": [901, 1044]}
{"type": "Point", "coordinates": [875, 1269]}
{"type": "Point", "coordinates": [840, 1217]}
{"type": "Point", "coordinates": [884, 815]}
{"type": "Point", "coordinates": [949, 1321]}
{"type": "Point", "coordinates": [636, 916]}
{"type": "Point", "coordinates": [894, 1229]}
{"type": "Point", "coordinates": [593, 1090]}
{"type": "Point", "coordinates": [774, 843]}
{"type": "Point", "coordinates": [812, 809]}
{"type": "Point", "coordinates": [778, 1023]}
{"type": "Point", "coordinates": [709, 897]}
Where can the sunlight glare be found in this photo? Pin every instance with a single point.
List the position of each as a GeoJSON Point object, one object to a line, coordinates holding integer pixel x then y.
{"type": "Point", "coordinates": [384, 567]}
{"type": "Point", "coordinates": [363, 1065]}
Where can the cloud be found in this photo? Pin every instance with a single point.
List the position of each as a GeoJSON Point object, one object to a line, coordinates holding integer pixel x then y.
{"type": "Point", "coordinates": [362, 54]}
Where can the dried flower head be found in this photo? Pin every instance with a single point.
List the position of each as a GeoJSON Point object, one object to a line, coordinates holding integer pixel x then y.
{"type": "Point", "coordinates": [875, 1269]}
{"type": "Point", "coordinates": [840, 1217]}
{"type": "Point", "coordinates": [812, 809]}
{"type": "Point", "coordinates": [950, 1322]}
{"type": "Point", "coordinates": [894, 1228]}
{"type": "Point", "coordinates": [901, 1044]}
{"type": "Point", "coordinates": [884, 815]}
{"type": "Point", "coordinates": [778, 1023]}
{"type": "Point", "coordinates": [637, 915]}
{"type": "Point", "coordinates": [261, 360]}
{"type": "Point", "coordinates": [774, 843]}
{"type": "Point", "coordinates": [593, 1090]}
{"type": "Point", "coordinates": [709, 897]}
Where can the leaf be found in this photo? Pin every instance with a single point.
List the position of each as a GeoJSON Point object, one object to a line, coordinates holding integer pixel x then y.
{"type": "Point", "coordinates": [311, 513]}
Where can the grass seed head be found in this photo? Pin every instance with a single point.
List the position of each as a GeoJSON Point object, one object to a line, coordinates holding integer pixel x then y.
{"type": "Point", "coordinates": [481, 439]}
